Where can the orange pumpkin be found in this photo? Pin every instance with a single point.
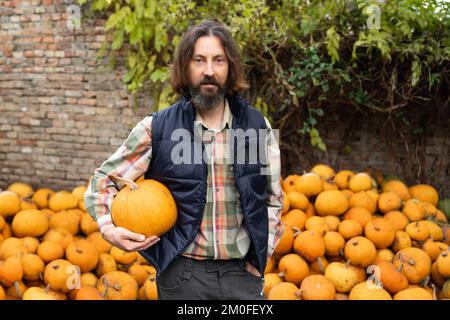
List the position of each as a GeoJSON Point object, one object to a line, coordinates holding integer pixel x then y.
{"type": "Point", "coordinates": [83, 254]}
{"type": "Point", "coordinates": [37, 293]}
{"type": "Point", "coordinates": [284, 291]}
{"type": "Point", "coordinates": [118, 285]}
{"type": "Point", "coordinates": [297, 200]}
{"type": "Point", "coordinates": [309, 245]}
{"type": "Point", "coordinates": [343, 276]}
{"type": "Point", "coordinates": [342, 178]}
{"type": "Point", "coordinates": [368, 290]}
{"type": "Point", "coordinates": [393, 281]}
{"type": "Point", "coordinates": [397, 220]}
{"type": "Point", "coordinates": [310, 184]}
{"type": "Point", "coordinates": [57, 273]}
{"type": "Point", "coordinates": [414, 263]}
{"type": "Point", "coordinates": [294, 218]}
{"type": "Point", "coordinates": [42, 196]}
{"type": "Point", "coordinates": [33, 267]}
{"type": "Point", "coordinates": [286, 242]}
{"type": "Point", "coordinates": [89, 293]}
{"type": "Point", "coordinates": [149, 290]}
{"type": "Point", "coordinates": [100, 244]}
{"type": "Point", "coordinates": [389, 201]}
{"type": "Point", "coordinates": [317, 287]}
{"type": "Point", "coordinates": [363, 200]}
{"type": "Point", "coordinates": [293, 268]}
{"type": "Point", "coordinates": [443, 264]}
{"type": "Point", "coordinates": [398, 187]}
{"type": "Point", "coordinates": [413, 294]}
{"type": "Point", "coordinates": [9, 203]}
{"type": "Point", "coordinates": [331, 202]}
{"type": "Point", "coordinates": [334, 243]}
{"type": "Point", "coordinates": [30, 223]}
{"type": "Point", "coordinates": [380, 232]}
{"type": "Point", "coordinates": [106, 263]}
{"type": "Point", "coordinates": [350, 228]}
{"type": "Point", "coordinates": [362, 215]}
{"type": "Point", "coordinates": [270, 280]}
{"type": "Point", "coordinates": [50, 250]}
{"type": "Point", "coordinates": [146, 207]}
{"type": "Point", "coordinates": [360, 251]}
{"type": "Point", "coordinates": [414, 210]}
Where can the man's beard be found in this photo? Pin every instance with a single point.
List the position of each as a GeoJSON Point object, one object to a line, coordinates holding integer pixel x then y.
{"type": "Point", "coordinates": [207, 101]}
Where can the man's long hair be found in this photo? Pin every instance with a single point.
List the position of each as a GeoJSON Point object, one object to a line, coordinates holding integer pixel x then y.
{"type": "Point", "coordinates": [179, 80]}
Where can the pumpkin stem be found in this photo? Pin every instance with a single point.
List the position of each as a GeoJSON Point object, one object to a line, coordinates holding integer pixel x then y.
{"type": "Point", "coordinates": [41, 276]}
{"type": "Point", "coordinates": [18, 291]}
{"type": "Point", "coordinates": [348, 262]}
{"type": "Point", "coordinates": [297, 231]}
{"type": "Point", "coordinates": [106, 282]}
{"type": "Point", "coordinates": [319, 262]}
{"type": "Point", "coordinates": [434, 291]}
{"type": "Point", "coordinates": [47, 289]}
{"type": "Point", "coordinates": [281, 274]}
{"type": "Point", "coordinates": [299, 293]}
{"type": "Point", "coordinates": [127, 182]}
{"type": "Point", "coordinates": [401, 263]}
{"type": "Point", "coordinates": [425, 282]}
{"type": "Point", "coordinates": [341, 252]}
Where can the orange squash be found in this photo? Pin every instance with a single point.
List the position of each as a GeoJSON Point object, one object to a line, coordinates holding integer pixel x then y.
{"type": "Point", "coordinates": [393, 281]}
{"type": "Point", "coordinates": [368, 290]}
{"type": "Point", "coordinates": [309, 245]}
{"type": "Point", "coordinates": [293, 268]}
{"type": "Point", "coordinates": [57, 273]}
{"type": "Point", "coordinates": [350, 228]}
{"type": "Point", "coordinates": [294, 218]}
{"type": "Point", "coordinates": [83, 254]}
{"type": "Point", "coordinates": [413, 294]}
{"type": "Point", "coordinates": [317, 287]}
{"type": "Point", "coordinates": [30, 223]}
{"type": "Point", "coordinates": [146, 207]}
{"type": "Point", "coordinates": [310, 184]}
{"type": "Point", "coordinates": [443, 264]}
{"type": "Point", "coordinates": [362, 215]}
{"type": "Point", "coordinates": [360, 251]}
{"type": "Point", "coordinates": [414, 263]}
{"type": "Point", "coordinates": [297, 200]}
{"type": "Point", "coordinates": [331, 202]}
{"type": "Point", "coordinates": [89, 293]}
{"type": "Point", "coordinates": [380, 232]}
{"type": "Point", "coordinates": [284, 291]}
{"type": "Point", "coordinates": [334, 243]}
{"type": "Point", "coordinates": [118, 285]}
{"type": "Point", "coordinates": [50, 250]}
{"type": "Point", "coordinates": [342, 178]}
{"type": "Point", "coordinates": [389, 201]}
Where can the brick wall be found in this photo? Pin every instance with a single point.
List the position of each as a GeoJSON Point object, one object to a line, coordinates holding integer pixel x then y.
{"type": "Point", "coordinates": [63, 111]}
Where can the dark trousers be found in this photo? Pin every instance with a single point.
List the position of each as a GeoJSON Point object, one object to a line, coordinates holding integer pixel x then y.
{"type": "Point", "coordinates": [190, 279]}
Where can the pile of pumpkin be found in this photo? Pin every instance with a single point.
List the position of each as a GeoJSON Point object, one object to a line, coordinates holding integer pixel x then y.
{"type": "Point", "coordinates": [51, 249]}
{"type": "Point", "coordinates": [359, 236]}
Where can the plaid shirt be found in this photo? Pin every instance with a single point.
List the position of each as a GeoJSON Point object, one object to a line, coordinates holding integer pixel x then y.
{"type": "Point", "coordinates": [222, 234]}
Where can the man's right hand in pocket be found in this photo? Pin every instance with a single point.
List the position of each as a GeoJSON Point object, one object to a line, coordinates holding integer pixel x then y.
{"type": "Point", "coordinates": [128, 240]}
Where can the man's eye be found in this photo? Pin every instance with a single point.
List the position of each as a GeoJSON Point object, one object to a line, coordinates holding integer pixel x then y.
{"type": "Point", "coordinates": [198, 60]}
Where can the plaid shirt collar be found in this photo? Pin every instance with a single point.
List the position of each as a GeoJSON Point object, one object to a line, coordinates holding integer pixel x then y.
{"type": "Point", "coordinates": [227, 119]}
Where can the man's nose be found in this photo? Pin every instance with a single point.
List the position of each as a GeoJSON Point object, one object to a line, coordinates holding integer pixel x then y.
{"type": "Point", "coordinates": [209, 70]}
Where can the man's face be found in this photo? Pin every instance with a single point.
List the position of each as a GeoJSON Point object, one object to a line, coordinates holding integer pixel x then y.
{"type": "Point", "coordinates": [208, 72]}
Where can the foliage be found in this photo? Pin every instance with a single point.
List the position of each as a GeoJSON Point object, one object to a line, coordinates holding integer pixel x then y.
{"type": "Point", "coordinates": [301, 55]}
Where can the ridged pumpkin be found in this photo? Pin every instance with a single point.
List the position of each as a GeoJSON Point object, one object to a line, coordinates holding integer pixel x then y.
{"type": "Point", "coordinates": [414, 263]}
{"type": "Point", "coordinates": [402, 241]}
{"type": "Point", "coordinates": [146, 207]}
{"type": "Point", "coordinates": [414, 210]}
{"type": "Point", "coordinates": [118, 285]}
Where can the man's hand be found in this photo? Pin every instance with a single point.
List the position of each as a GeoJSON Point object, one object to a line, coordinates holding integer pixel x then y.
{"type": "Point", "coordinates": [250, 268]}
{"type": "Point", "coordinates": [128, 240]}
